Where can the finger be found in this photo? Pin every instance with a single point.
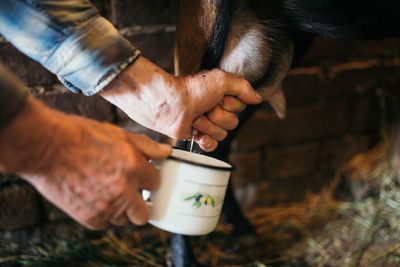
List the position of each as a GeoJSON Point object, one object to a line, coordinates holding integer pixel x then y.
{"type": "Point", "coordinates": [236, 86]}
{"type": "Point", "coordinates": [92, 224]}
{"type": "Point", "coordinates": [141, 173]}
{"type": "Point", "coordinates": [118, 209]}
{"type": "Point", "coordinates": [205, 126]}
{"type": "Point", "coordinates": [95, 226]}
{"type": "Point", "coordinates": [224, 119]}
{"type": "Point", "coordinates": [232, 104]}
{"type": "Point", "coordinates": [148, 177]}
{"type": "Point", "coordinates": [93, 220]}
{"type": "Point", "coordinates": [152, 181]}
{"type": "Point", "coordinates": [206, 143]}
{"type": "Point", "coordinates": [151, 149]}
{"type": "Point", "coordinates": [138, 212]}
{"type": "Point", "coordinates": [120, 221]}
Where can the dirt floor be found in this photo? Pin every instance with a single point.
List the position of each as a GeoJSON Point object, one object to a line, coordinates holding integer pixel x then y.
{"type": "Point", "coordinates": [363, 230]}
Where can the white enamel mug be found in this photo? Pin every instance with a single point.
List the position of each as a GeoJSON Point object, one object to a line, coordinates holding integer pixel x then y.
{"type": "Point", "coordinates": [191, 193]}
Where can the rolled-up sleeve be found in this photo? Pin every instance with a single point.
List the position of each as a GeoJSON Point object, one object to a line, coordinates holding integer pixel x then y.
{"type": "Point", "coordinates": [70, 39]}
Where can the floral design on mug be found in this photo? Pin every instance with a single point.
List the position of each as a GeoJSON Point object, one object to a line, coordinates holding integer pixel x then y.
{"type": "Point", "coordinates": [200, 199]}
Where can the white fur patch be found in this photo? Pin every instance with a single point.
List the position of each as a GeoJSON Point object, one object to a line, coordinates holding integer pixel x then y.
{"type": "Point", "coordinates": [246, 52]}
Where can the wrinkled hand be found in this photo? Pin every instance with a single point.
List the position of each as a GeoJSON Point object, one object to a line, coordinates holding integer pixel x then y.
{"type": "Point", "coordinates": [93, 171]}
{"type": "Point", "coordinates": [206, 101]}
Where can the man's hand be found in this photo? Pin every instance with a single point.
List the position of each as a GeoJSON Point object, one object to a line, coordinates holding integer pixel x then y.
{"type": "Point", "coordinates": [93, 171]}
{"type": "Point", "coordinates": [205, 101]}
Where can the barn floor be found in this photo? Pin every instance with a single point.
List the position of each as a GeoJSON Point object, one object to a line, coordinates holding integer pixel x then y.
{"type": "Point", "coordinates": [363, 229]}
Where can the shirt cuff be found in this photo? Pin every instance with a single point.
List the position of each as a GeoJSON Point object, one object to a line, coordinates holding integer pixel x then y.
{"type": "Point", "coordinates": [70, 39]}
{"type": "Point", "coordinates": [92, 57]}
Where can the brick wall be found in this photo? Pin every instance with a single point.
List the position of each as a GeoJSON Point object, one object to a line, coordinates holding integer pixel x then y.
{"type": "Point", "coordinates": [334, 99]}
{"type": "Point", "coordinates": [333, 113]}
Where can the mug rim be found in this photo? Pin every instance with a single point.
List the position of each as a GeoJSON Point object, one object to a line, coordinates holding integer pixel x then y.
{"type": "Point", "coordinates": [231, 168]}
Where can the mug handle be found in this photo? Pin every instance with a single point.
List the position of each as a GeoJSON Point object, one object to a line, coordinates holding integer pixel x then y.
{"type": "Point", "coordinates": [146, 193]}
{"type": "Point", "coordinates": [146, 197]}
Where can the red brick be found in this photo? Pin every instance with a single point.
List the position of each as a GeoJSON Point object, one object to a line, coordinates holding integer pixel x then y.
{"type": "Point", "coordinates": [300, 125]}
{"type": "Point", "coordinates": [365, 114]}
{"type": "Point", "coordinates": [143, 12]}
{"type": "Point", "coordinates": [103, 6]}
{"type": "Point", "coordinates": [94, 107]}
{"type": "Point", "coordinates": [290, 190]}
{"type": "Point", "coordinates": [28, 70]}
{"type": "Point", "coordinates": [157, 47]}
{"type": "Point", "coordinates": [19, 207]}
{"type": "Point", "coordinates": [335, 152]}
{"type": "Point", "coordinates": [353, 83]}
{"type": "Point", "coordinates": [248, 166]}
{"type": "Point", "coordinates": [323, 51]}
{"type": "Point", "coordinates": [293, 161]}
{"type": "Point", "coordinates": [302, 89]}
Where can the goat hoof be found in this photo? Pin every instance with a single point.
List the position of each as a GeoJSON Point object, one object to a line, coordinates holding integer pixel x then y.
{"type": "Point", "coordinates": [181, 254]}
{"type": "Point", "coordinates": [174, 261]}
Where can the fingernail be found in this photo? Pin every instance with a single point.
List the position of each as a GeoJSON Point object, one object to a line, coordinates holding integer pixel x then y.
{"type": "Point", "coordinates": [207, 144]}
{"type": "Point", "coordinates": [197, 122]}
{"type": "Point", "coordinates": [203, 142]}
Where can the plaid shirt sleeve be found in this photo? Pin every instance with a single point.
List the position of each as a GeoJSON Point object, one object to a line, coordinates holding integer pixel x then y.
{"type": "Point", "coordinates": [69, 38]}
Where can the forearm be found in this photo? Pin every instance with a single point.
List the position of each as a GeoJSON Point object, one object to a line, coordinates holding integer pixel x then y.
{"type": "Point", "coordinates": [174, 105]}
{"type": "Point", "coordinates": [23, 125]}
{"type": "Point", "coordinates": [153, 95]}
{"type": "Point", "coordinates": [92, 171]}
{"type": "Point", "coordinates": [69, 38]}
{"type": "Point", "coordinates": [144, 83]}
{"type": "Point", "coordinates": [27, 141]}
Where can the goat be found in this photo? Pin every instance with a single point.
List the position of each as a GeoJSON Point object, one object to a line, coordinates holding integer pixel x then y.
{"type": "Point", "coordinates": [260, 40]}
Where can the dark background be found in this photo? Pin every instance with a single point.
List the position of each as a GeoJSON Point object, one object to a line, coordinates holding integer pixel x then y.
{"type": "Point", "coordinates": [341, 100]}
